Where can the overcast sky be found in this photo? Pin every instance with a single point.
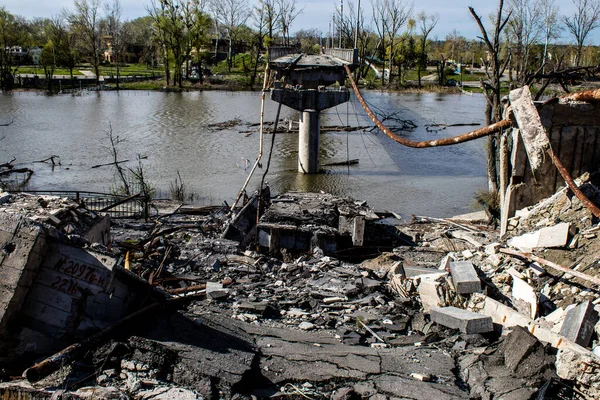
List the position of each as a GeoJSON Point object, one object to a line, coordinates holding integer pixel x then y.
{"type": "Point", "coordinates": [454, 14]}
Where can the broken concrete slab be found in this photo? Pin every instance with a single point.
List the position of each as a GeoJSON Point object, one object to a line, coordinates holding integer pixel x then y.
{"type": "Point", "coordinates": [413, 272]}
{"type": "Point", "coordinates": [477, 217]}
{"type": "Point", "coordinates": [579, 324]}
{"type": "Point", "coordinates": [466, 321]}
{"type": "Point", "coordinates": [574, 362]}
{"type": "Point", "coordinates": [521, 290]}
{"type": "Point", "coordinates": [23, 246]}
{"type": "Point", "coordinates": [554, 236]}
{"type": "Point", "coordinates": [514, 369]}
{"type": "Point", "coordinates": [548, 237]}
{"type": "Point", "coordinates": [465, 278]}
{"type": "Point", "coordinates": [428, 293]}
{"type": "Point", "coordinates": [533, 132]}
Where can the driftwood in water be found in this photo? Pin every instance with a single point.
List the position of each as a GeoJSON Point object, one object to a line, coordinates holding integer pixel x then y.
{"type": "Point", "coordinates": [51, 159]}
{"type": "Point", "coordinates": [335, 164]}
{"type": "Point", "coordinates": [8, 168]}
{"type": "Point", "coordinates": [110, 163]}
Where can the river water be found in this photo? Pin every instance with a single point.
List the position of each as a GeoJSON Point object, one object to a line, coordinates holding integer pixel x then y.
{"type": "Point", "coordinates": [172, 130]}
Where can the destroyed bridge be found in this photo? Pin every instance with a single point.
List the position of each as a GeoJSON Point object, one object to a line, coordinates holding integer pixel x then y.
{"type": "Point", "coordinates": [314, 296]}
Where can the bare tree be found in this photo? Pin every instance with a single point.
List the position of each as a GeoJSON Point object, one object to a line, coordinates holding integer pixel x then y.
{"type": "Point", "coordinates": [379, 18]}
{"type": "Point", "coordinates": [426, 23]}
{"type": "Point", "coordinates": [584, 20]}
{"type": "Point", "coordinates": [495, 67]}
{"type": "Point", "coordinates": [87, 23]}
{"type": "Point", "coordinates": [231, 14]}
{"type": "Point", "coordinates": [523, 30]}
{"type": "Point", "coordinates": [549, 12]}
{"type": "Point", "coordinates": [398, 14]}
{"type": "Point", "coordinates": [287, 14]}
{"type": "Point", "coordinates": [158, 14]}
{"type": "Point", "coordinates": [260, 22]}
{"type": "Point", "coordinates": [117, 30]}
{"type": "Point", "coordinates": [270, 15]}
{"type": "Point", "coordinates": [55, 34]}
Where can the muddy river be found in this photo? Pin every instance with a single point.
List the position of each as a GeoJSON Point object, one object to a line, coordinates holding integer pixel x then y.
{"type": "Point", "coordinates": [174, 131]}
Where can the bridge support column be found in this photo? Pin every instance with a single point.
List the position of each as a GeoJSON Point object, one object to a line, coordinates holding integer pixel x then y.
{"type": "Point", "coordinates": [310, 102]}
{"type": "Point", "coordinates": [309, 141]}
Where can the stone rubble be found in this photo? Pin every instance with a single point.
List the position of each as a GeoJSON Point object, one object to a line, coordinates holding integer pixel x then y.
{"type": "Point", "coordinates": [320, 316]}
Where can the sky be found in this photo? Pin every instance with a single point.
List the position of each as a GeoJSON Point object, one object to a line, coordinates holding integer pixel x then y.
{"type": "Point", "coordinates": [454, 14]}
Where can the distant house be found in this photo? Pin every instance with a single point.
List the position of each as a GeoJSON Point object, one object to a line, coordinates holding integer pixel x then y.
{"type": "Point", "coordinates": [34, 54]}
{"type": "Point", "coordinates": [108, 51]}
{"type": "Point", "coordinates": [220, 48]}
{"type": "Point", "coordinates": [19, 55]}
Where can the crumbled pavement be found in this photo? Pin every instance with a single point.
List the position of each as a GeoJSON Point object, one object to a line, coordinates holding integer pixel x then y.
{"type": "Point", "coordinates": [319, 324]}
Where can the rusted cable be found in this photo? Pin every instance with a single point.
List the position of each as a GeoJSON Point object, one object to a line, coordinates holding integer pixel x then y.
{"type": "Point", "coordinates": [550, 264]}
{"type": "Point", "coordinates": [589, 96]}
{"type": "Point", "coordinates": [488, 130]}
{"type": "Point", "coordinates": [572, 185]}
{"type": "Point", "coordinates": [586, 95]}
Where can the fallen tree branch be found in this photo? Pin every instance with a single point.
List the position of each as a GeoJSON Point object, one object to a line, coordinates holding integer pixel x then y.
{"type": "Point", "coordinates": [16, 171]}
{"type": "Point", "coordinates": [51, 158]}
{"type": "Point", "coordinates": [110, 163]}
{"type": "Point", "coordinates": [550, 264]}
{"type": "Point", "coordinates": [9, 164]}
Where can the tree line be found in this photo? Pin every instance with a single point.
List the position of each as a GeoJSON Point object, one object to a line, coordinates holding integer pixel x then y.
{"type": "Point", "coordinates": [172, 34]}
{"type": "Point", "coordinates": [520, 38]}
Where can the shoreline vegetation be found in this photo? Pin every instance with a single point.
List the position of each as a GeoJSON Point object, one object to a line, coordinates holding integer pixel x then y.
{"type": "Point", "coordinates": [139, 77]}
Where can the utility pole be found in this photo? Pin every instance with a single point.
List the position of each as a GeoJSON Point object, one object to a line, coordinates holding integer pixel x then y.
{"type": "Point", "coordinates": [341, 20]}
{"type": "Point", "coordinates": [357, 26]}
{"type": "Point", "coordinates": [333, 31]}
{"type": "Point", "coordinates": [329, 38]}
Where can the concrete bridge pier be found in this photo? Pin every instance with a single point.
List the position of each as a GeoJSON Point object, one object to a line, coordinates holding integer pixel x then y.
{"type": "Point", "coordinates": [309, 142]}
{"type": "Point", "coordinates": [310, 102]}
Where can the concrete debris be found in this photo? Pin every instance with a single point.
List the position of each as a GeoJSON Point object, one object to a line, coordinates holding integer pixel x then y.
{"type": "Point", "coordinates": [579, 323]}
{"type": "Point", "coordinates": [466, 321]}
{"type": "Point", "coordinates": [552, 236]}
{"type": "Point", "coordinates": [514, 369]}
{"type": "Point", "coordinates": [465, 277]}
{"type": "Point", "coordinates": [434, 312]}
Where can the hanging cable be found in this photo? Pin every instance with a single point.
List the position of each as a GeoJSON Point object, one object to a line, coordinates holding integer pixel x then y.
{"type": "Point", "coordinates": [260, 147]}
{"type": "Point", "coordinates": [498, 126]}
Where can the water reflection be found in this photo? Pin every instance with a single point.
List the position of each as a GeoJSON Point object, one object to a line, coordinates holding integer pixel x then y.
{"type": "Point", "coordinates": [172, 129]}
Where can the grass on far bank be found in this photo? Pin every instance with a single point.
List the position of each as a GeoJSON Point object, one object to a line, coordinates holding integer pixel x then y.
{"type": "Point", "coordinates": [129, 70]}
{"type": "Point", "coordinates": [39, 70]}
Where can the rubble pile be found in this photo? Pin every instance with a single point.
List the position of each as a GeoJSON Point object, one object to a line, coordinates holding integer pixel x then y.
{"type": "Point", "coordinates": [444, 310]}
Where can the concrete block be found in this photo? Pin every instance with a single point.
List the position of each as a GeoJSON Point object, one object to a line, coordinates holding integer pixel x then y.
{"type": "Point", "coordinates": [358, 231]}
{"type": "Point", "coordinates": [466, 321]}
{"type": "Point", "coordinates": [554, 236]}
{"type": "Point", "coordinates": [579, 323]}
{"type": "Point", "coordinates": [465, 277]}
{"type": "Point", "coordinates": [215, 290]}
{"type": "Point", "coordinates": [428, 292]}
